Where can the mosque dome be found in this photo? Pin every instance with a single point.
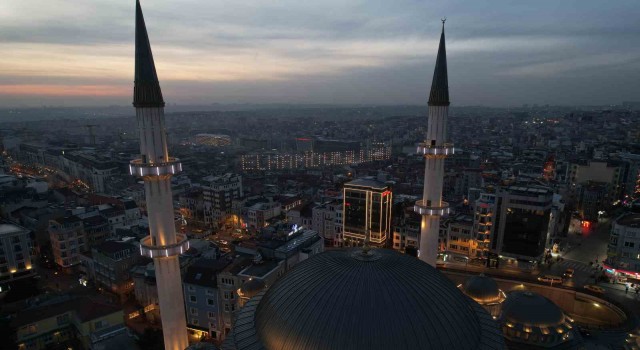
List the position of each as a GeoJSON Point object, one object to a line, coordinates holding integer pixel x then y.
{"type": "Point", "coordinates": [351, 299]}
{"type": "Point", "coordinates": [529, 318]}
{"type": "Point", "coordinates": [531, 308]}
{"type": "Point", "coordinates": [482, 289]}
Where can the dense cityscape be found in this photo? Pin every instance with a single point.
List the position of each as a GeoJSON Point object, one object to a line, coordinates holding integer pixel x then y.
{"type": "Point", "coordinates": [293, 226]}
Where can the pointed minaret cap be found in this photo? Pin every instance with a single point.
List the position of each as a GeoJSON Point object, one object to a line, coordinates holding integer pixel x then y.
{"type": "Point", "coordinates": [439, 95]}
{"type": "Point", "coordinates": [146, 91]}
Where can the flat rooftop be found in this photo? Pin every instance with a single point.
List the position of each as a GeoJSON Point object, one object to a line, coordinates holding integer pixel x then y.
{"type": "Point", "coordinates": [630, 219]}
{"type": "Point", "coordinates": [293, 244]}
{"type": "Point", "coordinates": [366, 183]}
{"type": "Point", "coordinates": [260, 270]}
{"type": "Point", "coordinates": [7, 229]}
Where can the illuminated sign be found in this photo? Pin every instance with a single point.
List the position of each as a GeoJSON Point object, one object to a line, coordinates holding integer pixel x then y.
{"type": "Point", "coordinates": [294, 229]}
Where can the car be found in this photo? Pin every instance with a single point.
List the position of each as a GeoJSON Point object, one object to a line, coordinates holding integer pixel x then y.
{"type": "Point", "coordinates": [550, 279]}
{"type": "Point", "coordinates": [568, 273]}
{"type": "Point", "coordinates": [594, 289]}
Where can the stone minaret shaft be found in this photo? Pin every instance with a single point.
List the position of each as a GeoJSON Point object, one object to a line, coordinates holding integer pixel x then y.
{"type": "Point", "coordinates": [435, 150]}
{"type": "Point", "coordinates": [156, 168]}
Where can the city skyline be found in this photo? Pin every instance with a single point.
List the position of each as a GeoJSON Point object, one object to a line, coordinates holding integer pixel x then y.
{"type": "Point", "coordinates": [334, 53]}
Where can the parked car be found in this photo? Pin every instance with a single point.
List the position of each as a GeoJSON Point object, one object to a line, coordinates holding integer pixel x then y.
{"type": "Point", "coordinates": [594, 289]}
{"type": "Point", "coordinates": [550, 279]}
{"type": "Point", "coordinates": [568, 273]}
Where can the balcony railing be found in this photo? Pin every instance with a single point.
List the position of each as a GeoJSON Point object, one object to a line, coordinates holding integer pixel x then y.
{"type": "Point", "coordinates": [446, 149]}
{"type": "Point", "coordinates": [138, 168]}
{"type": "Point", "coordinates": [151, 251]}
{"type": "Point", "coordinates": [423, 209]}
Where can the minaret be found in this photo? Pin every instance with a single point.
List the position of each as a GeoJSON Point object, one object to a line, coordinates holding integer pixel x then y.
{"type": "Point", "coordinates": [435, 150]}
{"type": "Point", "coordinates": [156, 168]}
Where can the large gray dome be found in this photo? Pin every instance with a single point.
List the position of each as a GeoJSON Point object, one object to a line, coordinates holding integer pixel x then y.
{"type": "Point", "coordinates": [346, 300]}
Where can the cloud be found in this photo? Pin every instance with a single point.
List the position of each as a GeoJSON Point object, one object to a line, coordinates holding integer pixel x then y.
{"type": "Point", "coordinates": [274, 50]}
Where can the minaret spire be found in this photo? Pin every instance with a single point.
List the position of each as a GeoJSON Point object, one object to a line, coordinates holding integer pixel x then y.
{"type": "Point", "coordinates": [156, 168]}
{"type": "Point", "coordinates": [435, 149]}
{"type": "Point", "coordinates": [439, 95]}
{"type": "Point", "coordinates": [146, 91]}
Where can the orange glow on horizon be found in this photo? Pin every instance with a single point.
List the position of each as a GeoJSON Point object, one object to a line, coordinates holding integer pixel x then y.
{"type": "Point", "coordinates": [64, 90]}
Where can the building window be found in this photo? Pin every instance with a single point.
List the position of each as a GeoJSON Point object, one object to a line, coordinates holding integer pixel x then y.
{"type": "Point", "coordinates": [211, 314]}
{"type": "Point", "coordinates": [209, 292]}
{"type": "Point", "coordinates": [191, 289]}
{"type": "Point", "coordinates": [193, 298]}
{"type": "Point", "coordinates": [194, 321]}
{"type": "Point", "coordinates": [209, 301]}
{"type": "Point", "coordinates": [629, 244]}
{"type": "Point", "coordinates": [193, 311]}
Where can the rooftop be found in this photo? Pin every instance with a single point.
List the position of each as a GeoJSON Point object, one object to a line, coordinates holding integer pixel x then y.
{"type": "Point", "coordinates": [204, 272]}
{"type": "Point", "coordinates": [8, 229]}
{"type": "Point", "coordinates": [260, 270]}
{"type": "Point", "coordinates": [371, 183]}
{"type": "Point", "coordinates": [86, 309]}
{"type": "Point", "coordinates": [629, 219]}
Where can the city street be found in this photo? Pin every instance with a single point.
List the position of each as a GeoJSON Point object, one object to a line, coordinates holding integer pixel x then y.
{"type": "Point", "coordinates": [590, 245]}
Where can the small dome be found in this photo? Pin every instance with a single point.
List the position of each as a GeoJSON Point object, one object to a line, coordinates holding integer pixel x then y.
{"type": "Point", "coordinates": [252, 287]}
{"type": "Point", "coordinates": [532, 309]}
{"type": "Point", "coordinates": [482, 289]}
{"type": "Point", "coordinates": [348, 299]}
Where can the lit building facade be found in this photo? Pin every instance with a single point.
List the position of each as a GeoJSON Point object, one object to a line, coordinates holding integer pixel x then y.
{"type": "Point", "coordinates": [623, 253]}
{"type": "Point", "coordinates": [15, 253]}
{"type": "Point", "coordinates": [327, 221]}
{"type": "Point", "coordinates": [484, 210]}
{"type": "Point", "coordinates": [435, 150]}
{"type": "Point", "coordinates": [68, 240]}
{"type": "Point", "coordinates": [406, 232]}
{"type": "Point", "coordinates": [112, 262]}
{"type": "Point", "coordinates": [460, 238]}
{"type": "Point", "coordinates": [156, 168]}
{"type": "Point", "coordinates": [523, 218]}
{"type": "Point", "coordinates": [218, 195]}
{"type": "Point", "coordinates": [366, 212]}
{"type": "Point", "coordinates": [376, 151]}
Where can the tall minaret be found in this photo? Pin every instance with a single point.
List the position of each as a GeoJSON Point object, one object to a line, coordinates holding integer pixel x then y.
{"type": "Point", "coordinates": [435, 150]}
{"type": "Point", "coordinates": [156, 168]}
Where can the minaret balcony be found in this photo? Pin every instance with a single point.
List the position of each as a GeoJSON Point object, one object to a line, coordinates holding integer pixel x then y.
{"type": "Point", "coordinates": [423, 209]}
{"type": "Point", "coordinates": [436, 151]}
{"type": "Point", "coordinates": [138, 168]}
{"type": "Point", "coordinates": [149, 250]}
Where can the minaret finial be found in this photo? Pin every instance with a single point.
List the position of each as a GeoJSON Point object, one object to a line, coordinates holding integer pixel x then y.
{"type": "Point", "coordinates": [146, 91]}
{"type": "Point", "coordinates": [439, 94]}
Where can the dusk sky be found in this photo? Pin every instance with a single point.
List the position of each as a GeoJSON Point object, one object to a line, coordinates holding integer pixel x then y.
{"type": "Point", "coordinates": [80, 52]}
